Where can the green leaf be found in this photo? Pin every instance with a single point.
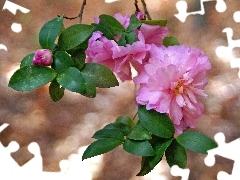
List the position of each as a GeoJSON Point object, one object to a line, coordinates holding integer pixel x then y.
{"type": "Point", "coordinates": [56, 92]}
{"type": "Point", "coordinates": [134, 23]}
{"type": "Point", "coordinates": [131, 37]}
{"type": "Point", "coordinates": [118, 126]}
{"type": "Point", "coordinates": [49, 32]}
{"type": "Point", "coordinates": [109, 133]}
{"type": "Point", "coordinates": [148, 163]}
{"type": "Point", "coordinates": [90, 86]}
{"type": "Point", "coordinates": [74, 35]}
{"type": "Point", "coordinates": [139, 148]}
{"type": "Point", "coordinates": [62, 61]}
{"type": "Point", "coordinates": [162, 22]}
{"type": "Point", "coordinates": [145, 167]}
{"type": "Point", "coordinates": [156, 123]}
{"type": "Point", "coordinates": [139, 133]}
{"type": "Point", "coordinates": [176, 155]}
{"type": "Point", "coordinates": [78, 58]}
{"type": "Point", "coordinates": [110, 23]}
{"type": "Point", "coordinates": [101, 146]}
{"type": "Point", "coordinates": [159, 147]}
{"type": "Point", "coordinates": [27, 60]}
{"type": "Point", "coordinates": [100, 74]}
{"type": "Point", "coordinates": [196, 142]}
{"type": "Point", "coordinates": [126, 120]}
{"type": "Point", "coordinates": [31, 77]}
{"type": "Point", "coordinates": [170, 41]}
{"type": "Point", "coordinates": [108, 34]}
{"type": "Point", "coordinates": [73, 80]}
{"type": "Point", "coordinates": [122, 41]}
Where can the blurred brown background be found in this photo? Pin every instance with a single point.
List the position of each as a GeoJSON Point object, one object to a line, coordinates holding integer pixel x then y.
{"type": "Point", "coordinates": [60, 128]}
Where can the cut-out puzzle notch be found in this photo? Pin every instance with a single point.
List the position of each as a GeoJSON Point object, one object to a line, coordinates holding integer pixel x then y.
{"type": "Point", "coordinates": [229, 151]}
{"type": "Point", "coordinates": [182, 9]}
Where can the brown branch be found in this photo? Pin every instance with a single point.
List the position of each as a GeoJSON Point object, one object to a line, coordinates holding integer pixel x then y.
{"type": "Point", "coordinates": [80, 13]}
{"type": "Point", "coordinates": [145, 10]}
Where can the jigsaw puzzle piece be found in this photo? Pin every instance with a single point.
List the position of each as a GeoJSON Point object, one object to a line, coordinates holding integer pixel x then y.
{"type": "Point", "coordinates": [182, 6]}
{"type": "Point", "coordinates": [12, 7]}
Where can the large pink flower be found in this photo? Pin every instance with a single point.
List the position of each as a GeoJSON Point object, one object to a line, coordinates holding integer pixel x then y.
{"type": "Point", "coordinates": [172, 81]}
{"type": "Point", "coordinates": [117, 58]}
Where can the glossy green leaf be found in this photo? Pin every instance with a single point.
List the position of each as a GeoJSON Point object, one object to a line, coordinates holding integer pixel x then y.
{"type": "Point", "coordinates": [170, 41]}
{"type": "Point", "coordinates": [126, 120]}
{"type": "Point", "coordinates": [106, 32]}
{"type": "Point", "coordinates": [159, 147]}
{"type": "Point", "coordinates": [148, 163]}
{"type": "Point", "coordinates": [110, 23]}
{"type": "Point", "coordinates": [49, 33]}
{"type": "Point", "coordinates": [101, 146]}
{"type": "Point", "coordinates": [27, 60]}
{"type": "Point", "coordinates": [145, 166]}
{"type": "Point", "coordinates": [131, 37]}
{"type": "Point", "coordinates": [56, 92]}
{"type": "Point", "coordinates": [156, 123]}
{"type": "Point", "coordinates": [73, 80]}
{"type": "Point", "coordinates": [31, 77]}
{"type": "Point", "coordinates": [119, 126]}
{"type": "Point", "coordinates": [138, 132]}
{"type": "Point", "coordinates": [196, 142]}
{"type": "Point", "coordinates": [162, 22]}
{"type": "Point", "coordinates": [100, 74]}
{"type": "Point", "coordinates": [90, 86]}
{"type": "Point", "coordinates": [78, 58]}
{"type": "Point", "coordinates": [139, 148]}
{"type": "Point", "coordinates": [109, 133]}
{"type": "Point", "coordinates": [134, 23]}
{"type": "Point", "coordinates": [62, 61]}
{"type": "Point", "coordinates": [74, 35]}
{"type": "Point", "coordinates": [122, 41]}
{"type": "Point", "coordinates": [176, 155]}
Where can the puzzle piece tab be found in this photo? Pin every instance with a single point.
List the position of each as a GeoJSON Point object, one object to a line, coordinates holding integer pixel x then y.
{"type": "Point", "coordinates": [226, 51]}
{"type": "Point", "coordinates": [229, 151]}
{"type": "Point", "coordinates": [177, 171]}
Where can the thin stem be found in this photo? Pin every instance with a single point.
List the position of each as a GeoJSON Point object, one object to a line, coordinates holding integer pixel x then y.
{"type": "Point", "coordinates": [145, 9]}
{"type": "Point", "coordinates": [81, 10]}
{"type": "Point", "coordinates": [135, 116]}
{"type": "Point", "coordinates": [80, 13]}
{"type": "Point", "coordinates": [136, 6]}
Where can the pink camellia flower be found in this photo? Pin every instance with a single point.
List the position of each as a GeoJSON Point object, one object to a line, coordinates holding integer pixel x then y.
{"type": "Point", "coordinates": [172, 81]}
{"type": "Point", "coordinates": [117, 58]}
{"type": "Point", "coordinates": [152, 34]}
{"type": "Point", "coordinates": [42, 57]}
{"type": "Point", "coordinates": [100, 50]}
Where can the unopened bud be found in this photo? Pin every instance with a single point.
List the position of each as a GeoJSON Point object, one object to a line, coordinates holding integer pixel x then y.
{"type": "Point", "coordinates": [43, 57]}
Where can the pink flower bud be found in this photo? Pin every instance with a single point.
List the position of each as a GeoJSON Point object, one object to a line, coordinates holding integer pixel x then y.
{"type": "Point", "coordinates": [43, 57]}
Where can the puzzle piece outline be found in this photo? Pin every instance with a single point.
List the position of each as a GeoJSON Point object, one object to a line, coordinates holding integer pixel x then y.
{"type": "Point", "coordinates": [228, 151]}
{"type": "Point", "coordinates": [182, 5]}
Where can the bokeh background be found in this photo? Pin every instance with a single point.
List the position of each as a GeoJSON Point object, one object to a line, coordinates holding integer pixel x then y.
{"type": "Point", "coordinates": [60, 128]}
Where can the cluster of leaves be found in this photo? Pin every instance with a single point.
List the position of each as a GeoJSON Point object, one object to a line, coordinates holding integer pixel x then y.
{"type": "Point", "coordinates": [69, 70]}
{"type": "Point", "coordinates": [151, 137]}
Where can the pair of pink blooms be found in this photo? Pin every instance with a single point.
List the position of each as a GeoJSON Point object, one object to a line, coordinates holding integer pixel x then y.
{"type": "Point", "coordinates": [171, 78]}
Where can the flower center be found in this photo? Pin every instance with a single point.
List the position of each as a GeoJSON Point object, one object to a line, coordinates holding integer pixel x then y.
{"type": "Point", "coordinates": [179, 88]}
